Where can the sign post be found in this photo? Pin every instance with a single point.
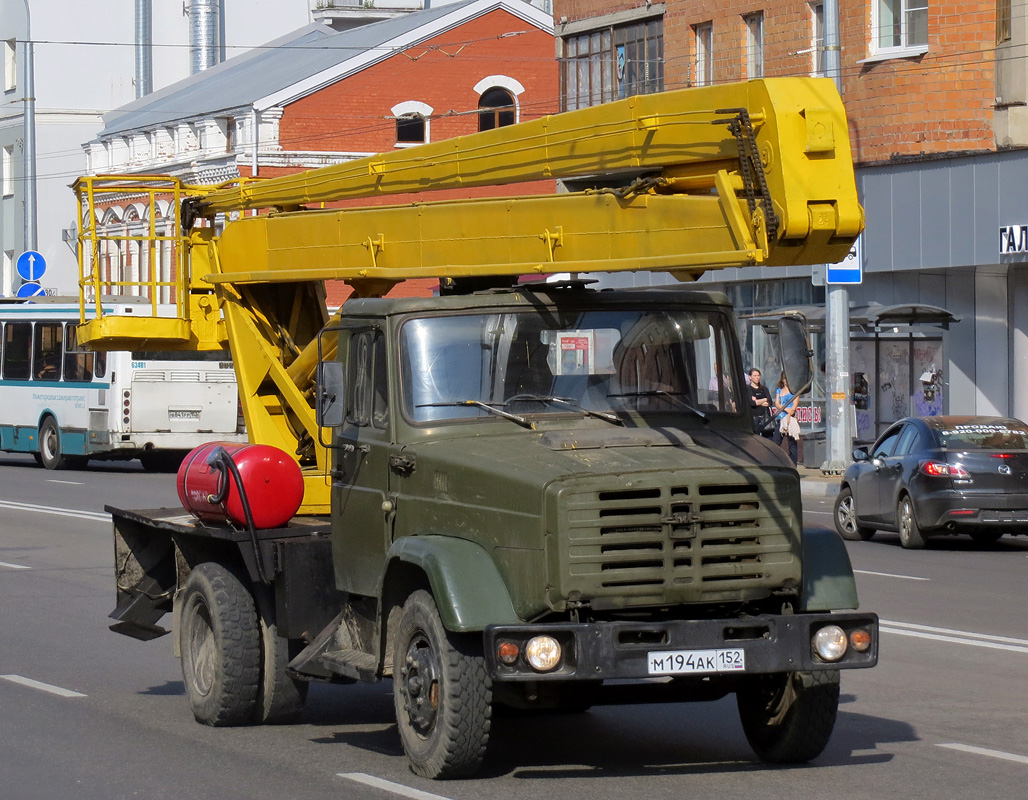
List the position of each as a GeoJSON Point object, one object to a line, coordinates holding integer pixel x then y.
{"type": "Point", "coordinates": [837, 356]}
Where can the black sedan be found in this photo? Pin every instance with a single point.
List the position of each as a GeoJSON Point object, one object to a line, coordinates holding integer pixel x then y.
{"type": "Point", "coordinates": [927, 476]}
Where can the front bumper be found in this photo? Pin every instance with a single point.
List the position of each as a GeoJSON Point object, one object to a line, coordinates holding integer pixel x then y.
{"type": "Point", "coordinates": [620, 650]}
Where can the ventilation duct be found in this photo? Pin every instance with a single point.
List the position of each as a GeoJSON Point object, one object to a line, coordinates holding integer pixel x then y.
{"type": "Point", "coordinates": [144, 47]}
{"type": "Point", "coordinates": [204, 34]}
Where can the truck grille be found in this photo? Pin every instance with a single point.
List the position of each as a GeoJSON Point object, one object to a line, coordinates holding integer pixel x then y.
{"type": "Point", "coordinates": [679, 543]}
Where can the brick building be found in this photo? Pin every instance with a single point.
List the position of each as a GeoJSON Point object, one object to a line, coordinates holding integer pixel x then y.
{"type": "Point", "coordinates": [937, 97]}
{"type": "Point", "coordinates": [318, 96]}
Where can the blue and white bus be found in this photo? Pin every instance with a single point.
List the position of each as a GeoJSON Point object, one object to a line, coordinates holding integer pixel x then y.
{"type": "Point", "coordinates": [66, 405]}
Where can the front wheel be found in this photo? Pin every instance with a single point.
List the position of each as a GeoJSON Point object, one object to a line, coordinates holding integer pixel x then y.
{"type": "Point", "coordinates": [910, 532]}
{"type": "Point", "coordinates": [50, 455]}
{"type": "Point", "coordinates": [845, 515]}
{"type": "Point", "coordinates": [220, 644]}
{"type": "Point", "coordinates": [788, 717]}
{"type": "Point", "coordinates": [441, 691]}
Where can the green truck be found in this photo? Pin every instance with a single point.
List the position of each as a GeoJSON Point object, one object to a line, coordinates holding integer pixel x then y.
{"type": "Point", "coordinates": [543, 496]}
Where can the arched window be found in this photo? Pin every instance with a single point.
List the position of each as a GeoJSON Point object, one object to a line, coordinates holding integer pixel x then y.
{"type": "Point", "coordinates": [413, 121]}
{"type": "Point", "coordinates": [495, 109]}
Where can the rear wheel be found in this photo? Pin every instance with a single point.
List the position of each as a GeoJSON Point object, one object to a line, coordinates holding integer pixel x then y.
{"type": "Point", "coordinates": [986, 537]}
{"type": "Point", "coordinates": [220, 644]}
{"type": "Point", "coordinates": [788, 717]}
{"type": "Point", "coordinates": [846, 518]}
{"type": "Point", "coordinates": [441, 691]}
{"type": "Point", "coordinates": [909, 531]}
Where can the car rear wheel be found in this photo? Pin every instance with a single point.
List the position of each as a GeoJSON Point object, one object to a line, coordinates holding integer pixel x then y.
{"type": "Point", "coordinates": [846, 518]}
{"type": "Point", "coordinates": [985, 537]}
{"type": "Point", "coordinates": [910, 532]}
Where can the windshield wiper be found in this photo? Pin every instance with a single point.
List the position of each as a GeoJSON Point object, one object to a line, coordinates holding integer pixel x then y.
{"type": "Point", "coordinates": [609, 416]}
{"type": "Point", "coordinates": [670, 396]}
{"type": "Point", "coordinates": [524, 423]}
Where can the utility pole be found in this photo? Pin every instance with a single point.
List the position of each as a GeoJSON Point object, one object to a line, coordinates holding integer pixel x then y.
{"type": "Point", "coordinates": [837, 317]}
{"type": "Point", "coordinates": [29, 149]}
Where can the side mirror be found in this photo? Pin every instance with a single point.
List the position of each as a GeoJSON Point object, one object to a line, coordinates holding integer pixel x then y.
{"type": "Point", "coordinates": [860, 454]}
{"type": "Point", "coordinates": [797, 357]}
{"type": "Point", "coordinates": [330, 406]}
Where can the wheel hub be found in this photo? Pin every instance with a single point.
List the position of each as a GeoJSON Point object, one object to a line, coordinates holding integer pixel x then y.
{"type": "Point", "coordinates": [420, 685]}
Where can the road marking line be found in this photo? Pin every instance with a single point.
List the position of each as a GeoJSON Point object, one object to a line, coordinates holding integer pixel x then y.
{"type": "Point", "coordinates": [891, 575]}
{"type": "Point", "coordinates": [953, 639]}
{"type": "Point", "coordinates": [969, 634]}
{"type": "Point", "coordinates": [389, 786]}
{"type": "Point", "coordinates": [70, 483]}
{"type": "Point", "coordinates": [61, 512]}
{"type": "Point", "coordinates": [43, 687]}
{"type": "Point", "coordinates": [13, 566]}
{"type": "Point", "coordinates": [984, 751]}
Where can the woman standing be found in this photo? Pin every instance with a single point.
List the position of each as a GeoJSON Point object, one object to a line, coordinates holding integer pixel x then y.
{"type": "Point", "coordinates": [760, 404]}
{"type": "Point", "coordinates": [788, 428]}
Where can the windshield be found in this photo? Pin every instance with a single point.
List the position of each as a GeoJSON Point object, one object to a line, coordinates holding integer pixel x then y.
{"type": "Point", "coordinates": [573, 362]}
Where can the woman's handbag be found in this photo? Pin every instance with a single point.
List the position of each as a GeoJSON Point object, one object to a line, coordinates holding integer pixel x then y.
{"type": "Point", "coordinates": [772, 422]}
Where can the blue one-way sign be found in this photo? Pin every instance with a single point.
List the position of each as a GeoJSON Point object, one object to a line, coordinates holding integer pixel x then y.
{"type": "Point", "coordinates": [31, 265]}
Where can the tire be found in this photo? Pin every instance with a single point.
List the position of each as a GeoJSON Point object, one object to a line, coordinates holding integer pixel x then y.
{"type": "Point", "coordinates": [220, 643]}
{"type": "Point", "coordinates": [441, 691]}
{"type": "Point", "coordinates": [280, 698]}
{"type": "Point", "coordinates": [50, 455]}
{"type": "Point", "coordinates": [985, 538]}
{"type": "Point", "coordinates": [845, 515]}
{"type": "Point", "coordinates": [788, 717]}
{"type": "Point", "coordinates": [910, 532]}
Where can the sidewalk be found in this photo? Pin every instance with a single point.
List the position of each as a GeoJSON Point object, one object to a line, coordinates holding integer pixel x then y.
{"type": "Point", "coordinates": [814, 484]}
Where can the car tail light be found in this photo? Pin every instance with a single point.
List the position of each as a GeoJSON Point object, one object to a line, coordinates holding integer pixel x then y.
{"type": "Point", "coordinates": [1002, 455]}
{"type": "Point", "coordinates": [940, 469]}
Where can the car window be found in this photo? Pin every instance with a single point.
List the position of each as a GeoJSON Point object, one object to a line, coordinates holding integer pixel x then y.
{"type": "Point", "coordinates": [906, 443]}
{"type": "Point", "coordinates": [1000, 435]}
{"type": "Point", "coordinates": [887, 444]}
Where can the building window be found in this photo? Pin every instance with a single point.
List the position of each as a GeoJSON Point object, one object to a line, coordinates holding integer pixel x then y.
{"type": "Point", "coordinates": [7, 167]}
{"type": "Point", "coordinates": [495, 109]}
{"type": "Point", "coordinates": [413, 121]}
{"type": "Point", "coordinates": [10, 65]}
{"type": "Point", "coordinates": [900, 25]}
{"type": "Point", "coordinates": [612, 63]}
{"type": "Point", "coordinates": [704, 68]}
{"type": "Point", "coordinates": [817, 40]}
{"type": "Point", "coordinates": [1002, 21]}
{"type": "Point", "coordinates": [754, 45]}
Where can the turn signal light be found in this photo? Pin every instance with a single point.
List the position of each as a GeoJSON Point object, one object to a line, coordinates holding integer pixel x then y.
{"type": "Point", "coordinates": [507, 652]}
{"type": "Point", "coordinates": [860, 640]}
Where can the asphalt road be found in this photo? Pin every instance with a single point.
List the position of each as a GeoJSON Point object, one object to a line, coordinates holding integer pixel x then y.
{"type": "Point", "coordinates": [942, 716]}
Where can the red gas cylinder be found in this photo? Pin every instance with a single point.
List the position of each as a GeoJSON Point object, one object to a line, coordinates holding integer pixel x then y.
{"type": "Point", "coordinates": [272, 483]}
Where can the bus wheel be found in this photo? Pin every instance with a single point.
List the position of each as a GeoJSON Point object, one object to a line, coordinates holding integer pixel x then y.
{"type": "Point", "coordinates": [50, 455]}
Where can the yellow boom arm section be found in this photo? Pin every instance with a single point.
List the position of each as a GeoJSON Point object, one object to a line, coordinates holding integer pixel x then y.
{"type": "Point", "coordinates": [756, 173]}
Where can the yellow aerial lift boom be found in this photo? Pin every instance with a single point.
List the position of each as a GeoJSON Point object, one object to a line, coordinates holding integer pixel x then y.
{"type": "Point", "coordinates": [756, 173]}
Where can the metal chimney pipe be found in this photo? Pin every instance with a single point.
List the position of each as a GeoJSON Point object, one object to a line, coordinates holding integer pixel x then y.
{"type": "Point", "coordinates": [204, 34]}
{"type": "Point", "coordinates": [144, 47]}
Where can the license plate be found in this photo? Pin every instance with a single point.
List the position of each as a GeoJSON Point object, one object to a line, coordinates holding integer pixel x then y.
{"type": "Point", "coordinates": [686, 662]}
{"type": "Point", "coordinates": [178, 413]}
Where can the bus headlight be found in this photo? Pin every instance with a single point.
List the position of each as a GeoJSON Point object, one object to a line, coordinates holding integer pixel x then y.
{"type": "Point", "coordinates": [543, 653]}
{"type": "Point", "coordinates": [830, 642]}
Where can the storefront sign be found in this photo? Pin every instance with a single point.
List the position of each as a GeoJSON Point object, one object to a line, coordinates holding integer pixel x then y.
{"type": "Point", "coordinates": [1013, 239]}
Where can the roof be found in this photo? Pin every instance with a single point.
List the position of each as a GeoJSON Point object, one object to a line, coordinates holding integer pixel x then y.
{"type": "Point", "coordinates": [299, 63]}
{"type": "Point", "coordinates": [873, 315]}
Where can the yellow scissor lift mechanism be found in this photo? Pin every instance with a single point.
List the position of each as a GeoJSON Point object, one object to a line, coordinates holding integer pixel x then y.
{"type": "Point", "coordinates": [755, 173]}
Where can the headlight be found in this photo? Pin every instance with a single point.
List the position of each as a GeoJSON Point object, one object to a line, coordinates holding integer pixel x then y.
{"type": "Point", "coordinates": [543, 653]}
{"type": "Point", "coordinates": [830, 642]}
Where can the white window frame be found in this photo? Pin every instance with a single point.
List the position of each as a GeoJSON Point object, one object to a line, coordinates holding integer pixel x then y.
{"type": "Point", "coordinates": [703, 35]}
{"type": "Point", "coordinates": [817, 40]}
{"type": "Point", "coordinates": [905, 49]}
{"type": "Point", "coordinates": [10, 65]}
{"type": "Point", "coordinates": [411, 108]}
{"type": "Point", "coordinates": [754, 44]}
{"type": "Point", "coordinates": [7, 167]}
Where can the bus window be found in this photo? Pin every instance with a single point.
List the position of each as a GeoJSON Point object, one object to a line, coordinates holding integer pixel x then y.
{"type": "Point", "coordinates": [17, 341]}
{"type": "Point", "coordinates": [79, 364]}
{"type": "Point", "coordinates": [46, 351]}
